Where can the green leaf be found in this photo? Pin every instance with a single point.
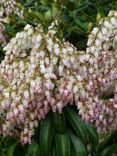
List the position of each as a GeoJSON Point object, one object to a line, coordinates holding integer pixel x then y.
{"type": "Point", "coordinates": [28, 3]}
{"type": "Point", "coordinates": [76, 123]}
{"type": "Point", "coordinates": [93, 135]}
{"type": "Point", "coordinates": [109, 150]}
{"type": "Point", "coordinates": [60, 34]}
{"type": "Point", "coordinates": [1, 148]}
{"type": "Point", "coordinates": [78, 148]}
{"type": "Point", "coordinates": [48, 16]}
{"type": "Point", "coordinates": [46, 135]}
{"type": "Point", "coordinates": [71, 6]}
{"type": "Point", "coordinates": [21, 150]}
{"type": "Point", "coordinates": [9, 30]}
{"type": "Point", "coordinates": [115, 44]}
{"type": "Point", "coordinates": [55, 10]}
{"type": "Point", "coordinates": [53, 150]}
{"type": "Point", "coordinates": [33, 149]}
{"type": "Point", "coordinates": [11, 149]}
{"type": "Point", "coordinates": [59, 122]}
{"type": "Point", "coordinates": [62, 143]}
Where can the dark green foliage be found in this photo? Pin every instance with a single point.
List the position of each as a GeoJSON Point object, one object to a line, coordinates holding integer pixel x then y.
{"type": "Point", "coordinates": [59, 122]}
{"type": "Point", "coordinates": [54, 142]}
{"type": "Point", "coordinates": [62, 142]}
{"type": "Point", "coordinates": [76, 123]}
{"type": "Point", "coordinates": [33, 149]}
{"type": "Point", "coordinates": [77, 147]}
{"type": "Point", "coordinates": [46, 136]}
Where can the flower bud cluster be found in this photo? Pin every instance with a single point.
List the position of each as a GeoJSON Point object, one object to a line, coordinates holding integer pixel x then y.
{"type": "Point", "coordinates": [40, 73]}
{"type": "Point", "coordinates": [10, 6]}
{"type": "Point", "coordinates": [2, 37]}
{"type": "Point", "coordinates": [100, 105]}
{"type": "Point", "coordinates": [39, 70]}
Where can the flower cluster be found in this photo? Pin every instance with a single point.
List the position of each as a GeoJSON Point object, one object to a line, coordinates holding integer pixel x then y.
{"type": "Point", "coordinates": [101, 105]}
{"type": "Point", "coordinates": [40, 73]}
{"type": "Point", "coordinates": [10, 6]}
{"type": "Point", "coordinates": [2, 37]}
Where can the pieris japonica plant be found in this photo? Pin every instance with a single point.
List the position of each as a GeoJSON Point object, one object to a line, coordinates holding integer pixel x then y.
{"type": "Point", "coordinates": [40, 75]}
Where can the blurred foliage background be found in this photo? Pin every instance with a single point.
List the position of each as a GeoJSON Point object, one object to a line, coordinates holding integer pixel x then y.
{"type": "Point", "coordinates": [76, 17]}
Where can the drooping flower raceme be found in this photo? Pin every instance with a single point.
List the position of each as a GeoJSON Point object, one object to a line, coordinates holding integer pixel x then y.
{"type": "Point", "coordinates": [102, 76]}
{"type": "Point", "coordinates": [40, 73]}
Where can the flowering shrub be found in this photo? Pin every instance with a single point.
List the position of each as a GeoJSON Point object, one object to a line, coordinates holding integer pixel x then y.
{"type": "Point", "coordinates": [58, 82]}
{"type": "Point", "coordinates": [40, 73]}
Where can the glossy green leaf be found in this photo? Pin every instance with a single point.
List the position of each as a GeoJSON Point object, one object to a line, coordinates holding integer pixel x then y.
{"type": "Point", "coordinates": [62, 142]}
{"type": "Point", "coordinates": [109, 150]}
{"type": "Point", "coordinates": [93, 135]}
{"type": "Point", "coordinates": [46, 135]}
{"type": "Point", "coordinates": [76, 123]}
{"type": "Point", "coordinates": [78, 148]}
{"type": "Point", "coordinates": [33, 149]}
{"type": "Point", "coordinates": [11, 149]}
{"type": "Point", "coordinates": [59, 122]}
